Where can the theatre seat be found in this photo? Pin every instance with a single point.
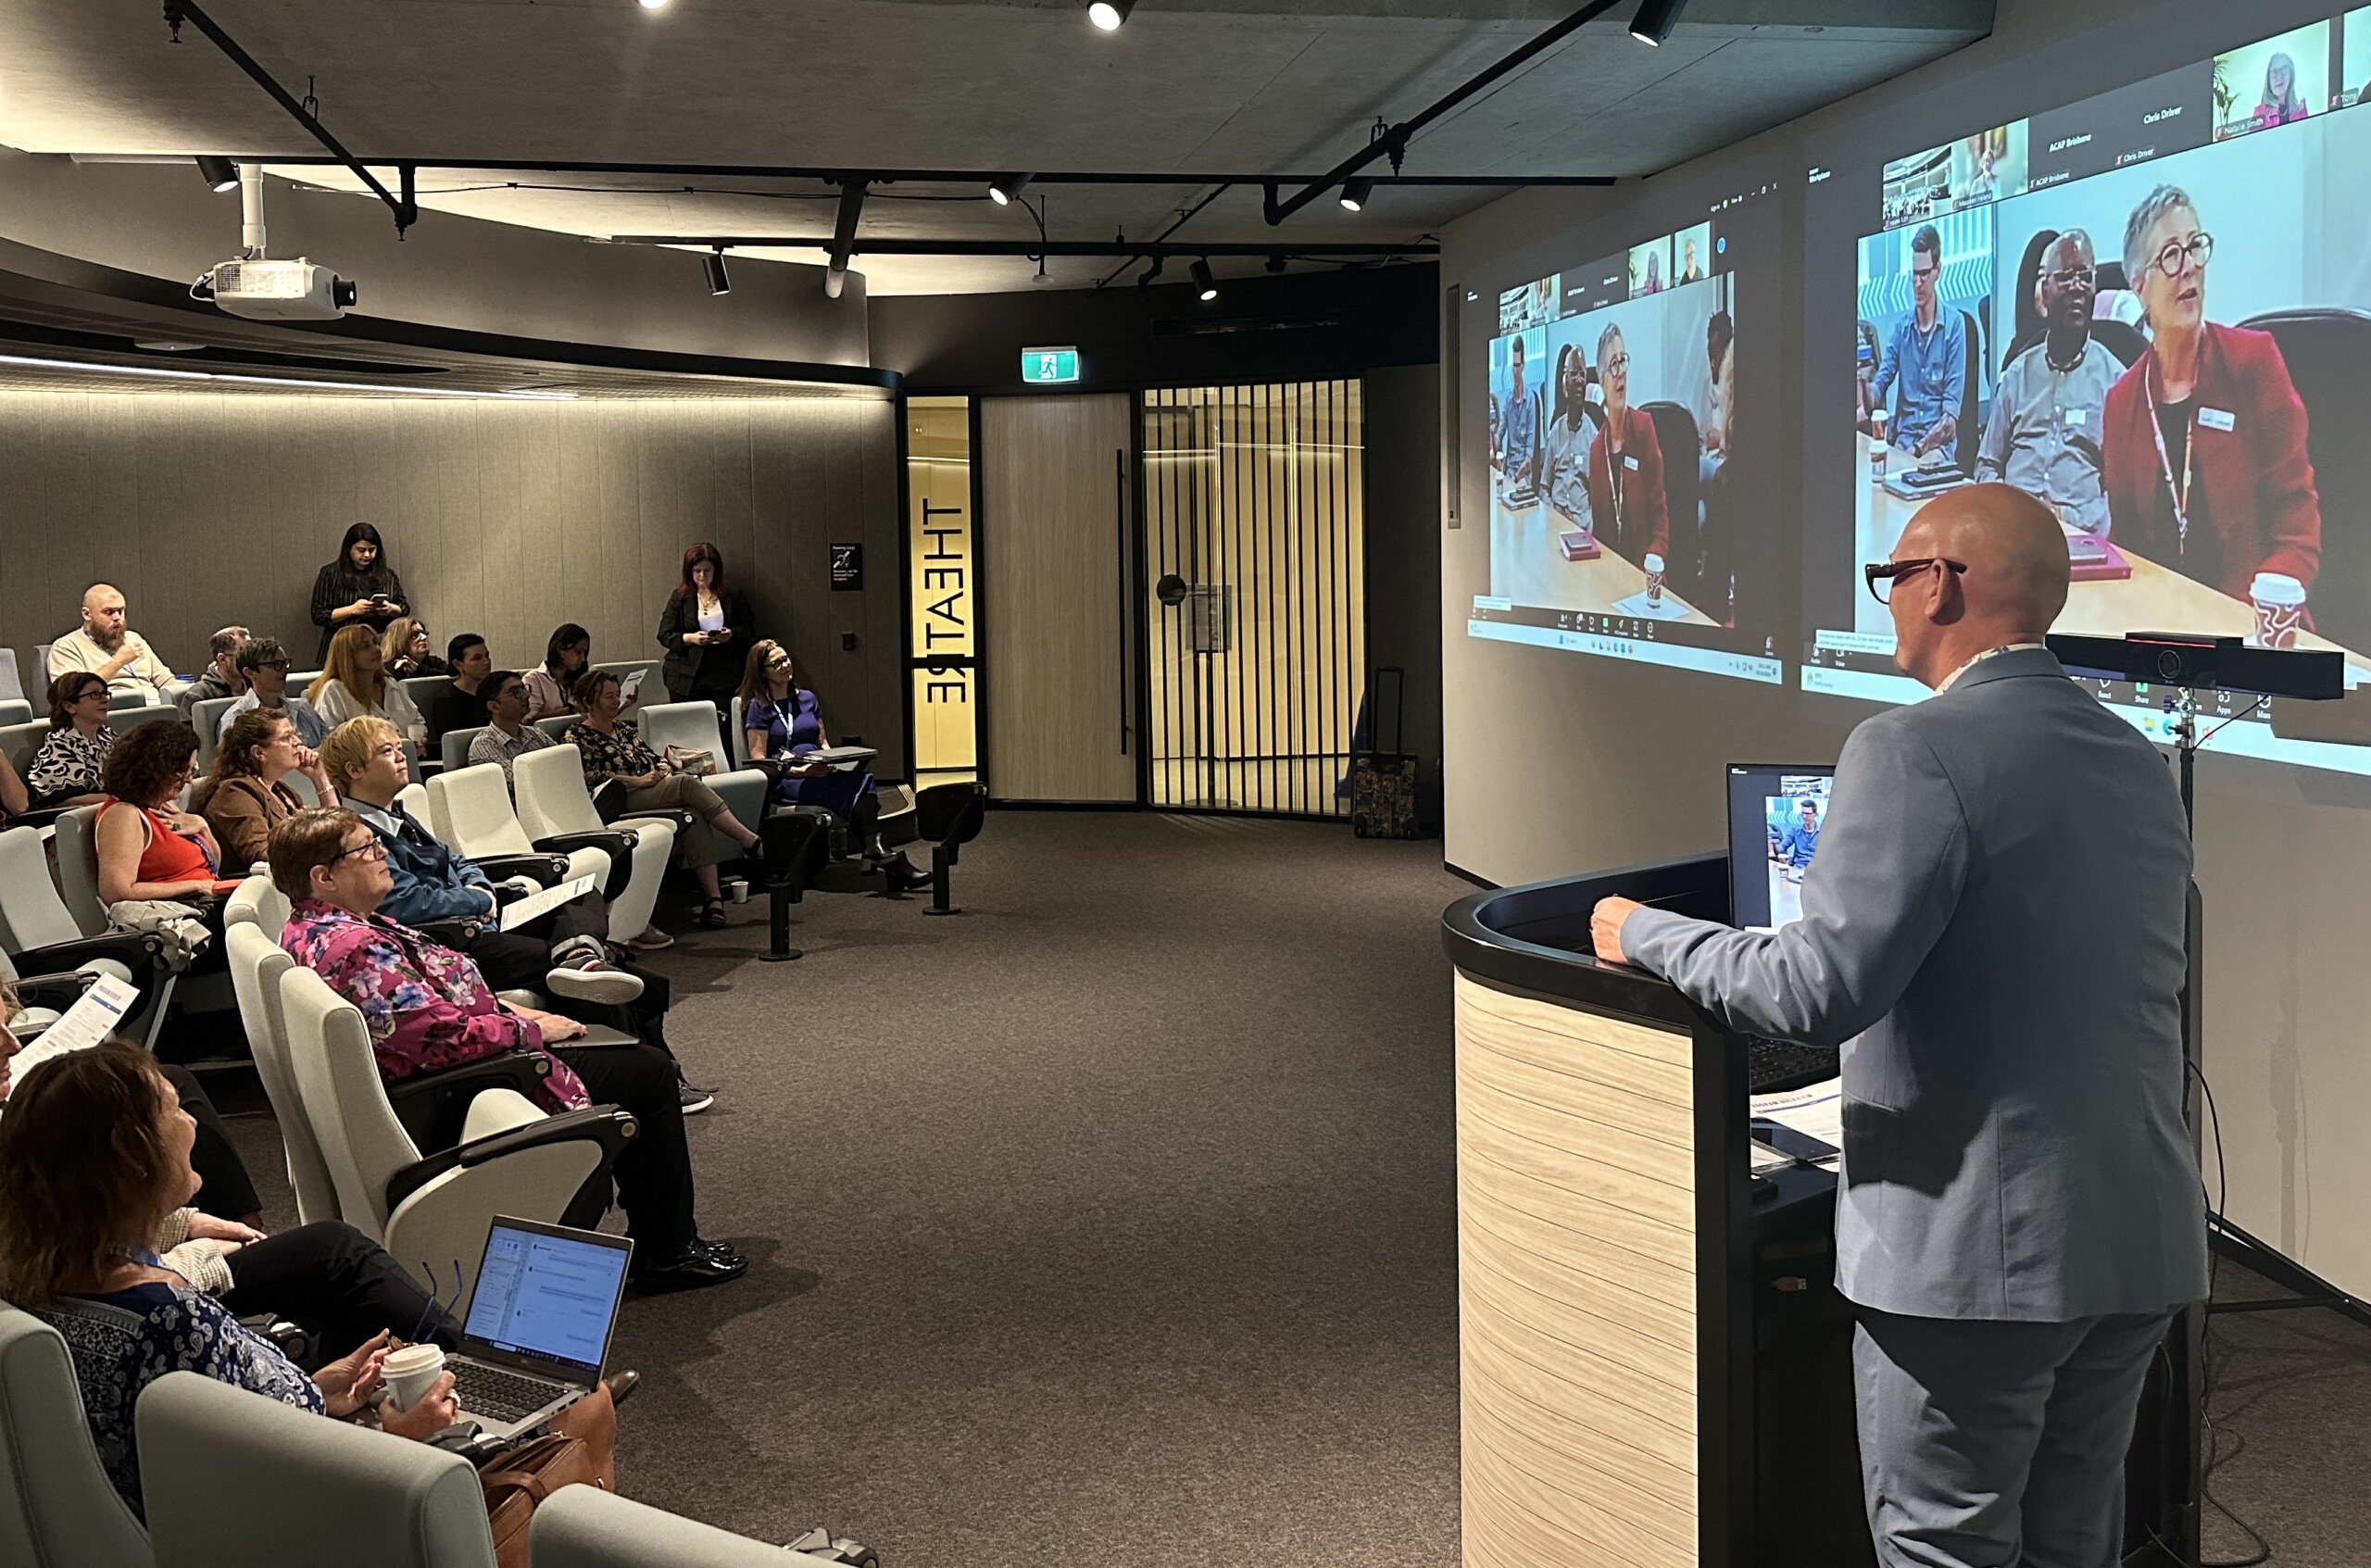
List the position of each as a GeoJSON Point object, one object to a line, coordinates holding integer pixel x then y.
{"type": "Point", "coordinates": [693, 726]}
{"type": "Point", "coordinates": [258, 966]}
{"type": "Point", "coordinates": [58, 1508]}
{"type": "Point", "coordinates": [206, 718]}
{"type": "Point", "coordinates": [587, 1527]}
{"type": "Point", "coordinates": [469, 808]}
{"type": "Point", "coordinates": [42, 937]}
{"type": "Point", "coordinates": [553, 803]}
{"type": "Point", "coordinates": [512, 1158]}
{"type": "Point", "coordinates": [12, 680]}
{"type": "Point", "coordinates": [235, 1479]}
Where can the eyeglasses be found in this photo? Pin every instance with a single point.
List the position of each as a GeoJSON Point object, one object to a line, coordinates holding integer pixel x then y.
{"type": "Point", "coordinates": [1881, 575]}
{"type": "Point", "coordinates": [374, 850]}
{"type": "Point", "coordinates": [2072, 277]}
{"type": "Point", "coordinates": [1923, 274]}
{"type": "Point", "coordinates": [279, 664]}
{"type": "Point", "coordinates": [2197, 253]}
{"type": "Point", "coordinates": [1616, 362]}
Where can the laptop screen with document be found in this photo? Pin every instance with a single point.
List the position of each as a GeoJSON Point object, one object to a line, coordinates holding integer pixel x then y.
{"type": "Point", "coordinates": [548, 1295]}
{"type": "Point", "coordinates": [1776, 812]}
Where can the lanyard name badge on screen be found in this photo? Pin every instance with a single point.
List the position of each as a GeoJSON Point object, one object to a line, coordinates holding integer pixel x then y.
{"type": "Point", "coordinates": [2178, 494]}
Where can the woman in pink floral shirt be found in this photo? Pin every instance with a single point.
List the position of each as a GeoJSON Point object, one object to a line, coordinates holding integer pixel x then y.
{"type": "Point", "coordinates": [427, 1007]}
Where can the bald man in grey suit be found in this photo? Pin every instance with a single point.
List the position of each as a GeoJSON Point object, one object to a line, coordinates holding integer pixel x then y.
{"type": "Point", "coordinates": [1993, 931]}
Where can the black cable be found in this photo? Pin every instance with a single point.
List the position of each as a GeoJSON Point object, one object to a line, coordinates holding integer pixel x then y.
{"type": "Point", "coordinates": [2214, 1200]}
{"type": "Point", "coordinates": [2247, 712]}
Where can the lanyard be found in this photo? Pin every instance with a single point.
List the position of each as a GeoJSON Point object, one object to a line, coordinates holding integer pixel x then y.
{"type": "Point", "coordinates": [1613, 474]}
{"type": "Point", "coordinates": [2177, 494]}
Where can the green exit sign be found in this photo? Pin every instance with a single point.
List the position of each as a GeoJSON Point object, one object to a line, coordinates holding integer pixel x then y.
{"type": "Point", "coordinates": [1048, 366]}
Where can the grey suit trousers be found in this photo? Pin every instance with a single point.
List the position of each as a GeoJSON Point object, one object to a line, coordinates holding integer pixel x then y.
{"type": "Point", "coordinates": [1987, 1444]}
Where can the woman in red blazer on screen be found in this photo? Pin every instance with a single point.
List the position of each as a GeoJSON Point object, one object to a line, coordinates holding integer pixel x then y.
{"type": "Point", "coordinates": [2204, 439]}
{"type": "Point", "coordinates": [1626, 465]}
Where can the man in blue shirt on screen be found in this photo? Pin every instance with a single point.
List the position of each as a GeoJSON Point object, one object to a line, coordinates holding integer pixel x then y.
{"type": "Point", "coordinates": [1518, 424]}
{"type": "Point", "coordinates": [1800, 839]}
{"type": "Point", "coordinates": [1929, 355]}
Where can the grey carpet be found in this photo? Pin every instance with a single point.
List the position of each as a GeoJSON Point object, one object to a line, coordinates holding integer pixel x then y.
{"type": "Point", "coordinates": [1114, 1221]}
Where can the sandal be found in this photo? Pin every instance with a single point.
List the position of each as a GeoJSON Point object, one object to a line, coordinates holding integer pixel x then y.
{"type": "Point", "coordinates": [712, 915]}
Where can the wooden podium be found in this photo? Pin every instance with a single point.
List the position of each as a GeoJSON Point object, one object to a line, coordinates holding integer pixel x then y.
{"type": "Point", "coordinates": [1655, 1362]}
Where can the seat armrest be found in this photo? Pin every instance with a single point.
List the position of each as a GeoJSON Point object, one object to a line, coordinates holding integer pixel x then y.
{"type": "Point", "coordinates": [683, 820]}
{"type": "Point", "coordinates": [44, 817]}
{"type": "Point", "coordinates": [450, 932]}
{"type": "Point", "coordinates": [547, 870]}
{"type": "Point", "coordinates": [619, 847]}
{"type": "Point", "coordinates": [433, 1106]}
{"type": "Point", "coordinates": [59, 991]}
{"type": "Point", "coordinates": [605, 1124]}
{"type": "Point", "coordinates": [142, 952]}
{"type": "Point", "coordinates": [771, 766]}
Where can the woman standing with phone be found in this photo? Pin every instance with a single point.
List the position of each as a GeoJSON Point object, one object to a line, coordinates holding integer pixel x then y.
{"type": "Point", "coordinates": [706, 628]}
{"type": "Point", "coordinates": [358, 589]}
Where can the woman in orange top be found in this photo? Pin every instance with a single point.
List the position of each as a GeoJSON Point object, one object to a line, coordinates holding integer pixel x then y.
{"type": "Point", "coordinates": [149, 849]}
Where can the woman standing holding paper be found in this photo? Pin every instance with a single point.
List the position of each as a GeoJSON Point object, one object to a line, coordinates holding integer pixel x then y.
{"type": "Point", "coordinates": [705, 627]}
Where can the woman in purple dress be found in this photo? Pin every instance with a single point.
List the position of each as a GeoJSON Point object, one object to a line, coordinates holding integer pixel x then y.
{"type": "Point", "coordinates": [784, 720]}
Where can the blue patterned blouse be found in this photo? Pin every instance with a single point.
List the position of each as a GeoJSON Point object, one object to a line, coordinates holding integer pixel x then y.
{"type": "Point", "coordinates": [124, 1341]}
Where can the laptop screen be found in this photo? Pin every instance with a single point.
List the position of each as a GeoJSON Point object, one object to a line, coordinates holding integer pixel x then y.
{"type": "Point", "coordinates": [548, 1293]}
{"type": "Point", "coordinates": [1776, 815]}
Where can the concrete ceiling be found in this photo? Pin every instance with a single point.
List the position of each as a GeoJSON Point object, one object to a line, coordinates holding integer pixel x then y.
{"type": "Point", "coordinates": [1186, 85]}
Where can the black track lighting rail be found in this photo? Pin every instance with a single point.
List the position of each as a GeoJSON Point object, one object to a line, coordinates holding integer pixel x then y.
{"type": "Point", "coordinates": [840, 176]}
{"type": "Point", "coordinates": [1145, 249]}
{"type": "Point", "coordinates": [406, 208]}
{"type": "Point", "coordinates": [1393, 141]}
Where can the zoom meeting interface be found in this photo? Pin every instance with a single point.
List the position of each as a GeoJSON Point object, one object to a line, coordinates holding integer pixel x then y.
{"type": "Point", "coordinates": [550, 1296]}
{"type": "Point", "coordinates": [2151, 310]}
{"type": "Point", "coordinates": [1633, 511]}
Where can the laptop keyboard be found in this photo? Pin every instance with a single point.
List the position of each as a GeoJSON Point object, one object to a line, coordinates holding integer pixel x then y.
{"type": "Point", "coordinates": [491, 1393]}
{"type": "Point", "coordinates": [1772, 1066]}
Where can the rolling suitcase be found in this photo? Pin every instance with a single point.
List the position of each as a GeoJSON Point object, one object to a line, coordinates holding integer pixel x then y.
{"type": "Point", "coordinates": [1383, 783]}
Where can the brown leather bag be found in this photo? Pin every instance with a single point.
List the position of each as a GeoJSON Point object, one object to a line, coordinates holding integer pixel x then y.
{"type": "Point", "coordinates": [581, 1449]}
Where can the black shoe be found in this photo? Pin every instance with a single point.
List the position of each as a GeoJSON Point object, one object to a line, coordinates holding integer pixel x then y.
{"type": "Point", "coordinates": [693, 1100]}
{"type": "Point", "coordinates": [692, 1268]}
{"type": "Point", "coordinates": [622, 1385]}
{"type": "Point", "coordinates": [722, 1251]}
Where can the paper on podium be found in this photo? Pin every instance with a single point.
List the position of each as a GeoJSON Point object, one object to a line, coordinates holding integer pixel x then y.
{"type": "Point", "coordinates": [96, 1016]}
{"type": "Point", "coordinates": [537, 905]}
{"type": "Point", "coordinates": [1638, 606]}
{"type": "Point", "coordinates": [1816, 1112]}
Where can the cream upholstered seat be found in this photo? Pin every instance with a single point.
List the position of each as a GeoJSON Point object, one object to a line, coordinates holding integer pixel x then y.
{"type": "Point", "coordinates": [58, 1508]}
{"type": "Point", "coordinates": [553, 804]}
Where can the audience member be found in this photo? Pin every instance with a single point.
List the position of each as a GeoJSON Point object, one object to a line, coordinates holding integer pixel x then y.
{"type": "Point", "coordinates": [220, 678]}
{"type": "Point", "coordinates": [150, 851]}
{"type": "Point", "coordinates": [105, 647]}
{"type": "Point", "coordinates": [265, 664]}
{"type": "Point", "coordinates": [507, 732]}
{"type": "Point", "coordinates": [703, 628]}
{"type": "Point", "coordinates": [613, 749]}
{"type": "Point", "coordinates": [407, 653]}
{"type": "Point", "coordinates": [1928, 356]}
{"type": "Point", "coordinates": [1625, 464]}
{"type": "Point", "coordinates": [245, 798]}
{"type": "Point", "coordinates": [94, 1172]}
{"type": "Point", "coordinates": [563, 952]}
{"type": "Point", "coordinates": [781, 719]}
{"type": "Point", "coordinates": [2044, 433]}
{"type": "Point", "coordinates": [67, 765]}
{"type": "Point", "coordinates": [1564, 446]}
{"type": "Point", "coordinates": [551, 686]}
{"type": "Point", "coordinates": [358, 588]}
{"type": "Point", "coordinates": [428, 1007]}
{"type": "Point", "coordinates": [353, 685]}
{"type": "Point", "coordinates": [462, 705]}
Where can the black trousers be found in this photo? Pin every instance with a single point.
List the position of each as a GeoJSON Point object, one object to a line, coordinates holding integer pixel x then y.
{"type": "Point", "coordinates": [225, 1189]}
{"type": "Point", "coordinates": [338, 1285]}
{"type": "Point", "coordinates": [654, 1174]}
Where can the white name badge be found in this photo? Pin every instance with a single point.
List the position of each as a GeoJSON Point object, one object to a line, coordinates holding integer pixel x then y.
{"type": "Point", "coordinates": [2077, 415]}
{"type": "Point", "coordinates": [2215, 419]}
{"type": "Point", "coordinates": [1630, 462]}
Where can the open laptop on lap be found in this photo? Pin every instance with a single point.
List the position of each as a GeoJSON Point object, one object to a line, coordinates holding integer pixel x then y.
{"type": "Point", "coordinates": [537, 1334]}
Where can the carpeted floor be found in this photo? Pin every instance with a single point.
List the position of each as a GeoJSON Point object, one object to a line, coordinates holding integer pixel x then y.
{"type": "Point", "coordinates": [1114, 1221]}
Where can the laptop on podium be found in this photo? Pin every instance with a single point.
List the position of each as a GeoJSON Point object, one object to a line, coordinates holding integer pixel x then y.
{"type": "Point", "coordinates": [537, 1334]}
{"type": "Point", "coordinates": [1776, 812]}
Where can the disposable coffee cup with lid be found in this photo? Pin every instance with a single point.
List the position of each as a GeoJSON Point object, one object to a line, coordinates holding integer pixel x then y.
{"type": "Point", "coordinates": [1654, 564]}
{"type": "Point", "coordinates": [411, 1372]}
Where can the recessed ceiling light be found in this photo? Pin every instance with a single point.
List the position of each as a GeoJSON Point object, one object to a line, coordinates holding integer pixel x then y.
{"type": "Point", "coordinates": [654, 5]}
{"type": "Point", "coordinates": [1108, 14]}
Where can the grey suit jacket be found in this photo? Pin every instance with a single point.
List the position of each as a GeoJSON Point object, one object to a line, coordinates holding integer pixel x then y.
{"type": "Point", "coordinates": [1992, 928]}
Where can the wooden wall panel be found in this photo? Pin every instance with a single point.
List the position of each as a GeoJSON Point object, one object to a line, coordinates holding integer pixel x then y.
{"type": "Point", "coordinates": [1577, 1287]}
{"type": "Point", "coordinates": [506, 518]}
{"type": "Point", "coordinates": [1052, 657]}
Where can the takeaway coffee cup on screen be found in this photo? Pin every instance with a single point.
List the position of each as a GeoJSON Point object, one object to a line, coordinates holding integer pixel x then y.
{"type": "Point", "coordinates": [1654, 579]}
{"type": "Point", "coordinates": [2280, 605]}
{"type": "Point", "coordinates": [1878, 445]}
{"type": "Point", "coordinates": [411, 1372]}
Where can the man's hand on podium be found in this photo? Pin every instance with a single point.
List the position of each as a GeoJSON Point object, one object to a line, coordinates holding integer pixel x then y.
{"type": "Point", "coordinates": [1605, 927]}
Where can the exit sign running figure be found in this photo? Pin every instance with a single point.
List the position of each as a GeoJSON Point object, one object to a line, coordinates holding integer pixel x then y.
{"type": "Point", "coordinates": [1046, 367]}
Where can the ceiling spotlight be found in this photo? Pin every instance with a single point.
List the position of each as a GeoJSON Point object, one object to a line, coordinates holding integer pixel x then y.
{"type": "Point", "coordinates": [654, 5]}
{"type": "Point", "coordinates": [1001, 192]}
{"type": "Point", "coordinates": [220, 174]}
{"type": "Point", "coordinates": [1204, 284]}
{"type": "Point", "coordinates": [718, 282]}
{"type": "Point", "coordinates": [1356, 192]}
{"type": "Point", "coordinates": [1108, 14]}
{"type": "Point", "coordinates": [1654, 20]}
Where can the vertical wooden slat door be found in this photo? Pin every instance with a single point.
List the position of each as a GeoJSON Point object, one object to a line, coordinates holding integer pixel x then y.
{"type": "Point", "coordinates": [1056, 668]}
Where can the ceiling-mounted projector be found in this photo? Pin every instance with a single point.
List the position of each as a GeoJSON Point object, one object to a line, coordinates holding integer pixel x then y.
{"type": "Point", "coordinates": [280, 291]}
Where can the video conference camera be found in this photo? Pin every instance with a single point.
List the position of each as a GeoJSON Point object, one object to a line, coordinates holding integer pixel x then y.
{"type": "Point", "coordinates": [2199, 662]}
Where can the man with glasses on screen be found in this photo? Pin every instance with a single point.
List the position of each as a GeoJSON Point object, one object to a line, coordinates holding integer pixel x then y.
{"type": "Point", "coordinates": [1518, 425]}
{"type": "Point", "coordinates": [1928, 356]}
{"type": "Point", "coordinates": [2044, 435]}
{"type": "Point", "coordinates": [1993, 932]}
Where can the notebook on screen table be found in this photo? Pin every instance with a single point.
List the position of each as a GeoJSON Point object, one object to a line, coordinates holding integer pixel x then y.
{"type": "Point", "coordinates": [537, 1334]}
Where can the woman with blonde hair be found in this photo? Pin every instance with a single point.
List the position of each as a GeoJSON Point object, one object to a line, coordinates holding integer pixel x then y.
{"type": "Point", "coordinates": [353, 685]}
{"type": "Point", "coordinates": [406, 651]}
